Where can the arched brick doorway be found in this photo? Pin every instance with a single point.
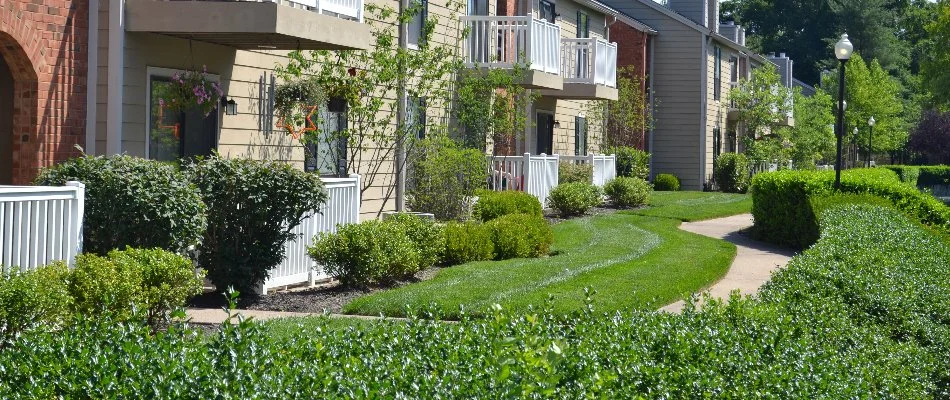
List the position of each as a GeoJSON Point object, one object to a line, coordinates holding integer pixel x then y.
{"type": "Point", "coordinates": [18, 105]}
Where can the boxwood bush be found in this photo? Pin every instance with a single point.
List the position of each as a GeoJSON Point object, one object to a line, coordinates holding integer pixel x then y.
{"type": "Point", "coordinates": [666, 183]}
{"type": "Point", "coordinates": [252, 208]}
{"type": "Point", "coordinates": [570, 172]}
{"type": "Point", "coordinates": [628, 192]}
{"type": "Point", "coordinates": [932, 175]}
{"type": "Point", "coordinates": [731, 172]}
{"type": "Point", "coordinates": [466, 242]}
{"type": "Point", "coordinates": [491, 205]}
{"type": "Point", "coordinates": [132, 201]}
{"type": "Point", "coordinates": [521, 236]}
{"type": "Point", "coordinates": [571, 199]}
{"type": "Point", "coordinates": [783, 213]}
{"type": "Point", "coordinates": [631, 162]}
{"type": "Point", "coordinates": [33, 299]}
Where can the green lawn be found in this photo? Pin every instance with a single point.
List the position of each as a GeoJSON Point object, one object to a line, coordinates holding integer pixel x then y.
{"type": "Point", "coordinates": [285, 328]}
{"type": "Point", "coordinates": [695, 206]}
{"type": "Point", "coordinates": [631, 261]}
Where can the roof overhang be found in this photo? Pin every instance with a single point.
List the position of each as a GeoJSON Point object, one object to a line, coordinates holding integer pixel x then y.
{"type": "Point", "coordinates": [583, 91]}
{"type": "Point", "coordinates": [247, 25]}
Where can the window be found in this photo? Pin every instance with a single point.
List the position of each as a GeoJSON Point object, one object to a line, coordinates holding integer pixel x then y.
{"type": "Point", "coordinates": [326, 153]}
{"type": "Point", "coordinates": [583, 25]}
{"type": "Point", "coordinates": [477, 7]}
{"type": "Point", "coordinates": [418, 25]}
{"type": "Point", "coordinates": [416, 117]}
{"type": "Point", "coordinates": [547, 11]}
{"type": "Point", "coordinates": [173, 135]}
{"type": "Point", "coordinates": [717, 81]}
{"type": "Point", "coordinates": [734, 70]}
{"type": "Point", "coordinates": [580, 136]}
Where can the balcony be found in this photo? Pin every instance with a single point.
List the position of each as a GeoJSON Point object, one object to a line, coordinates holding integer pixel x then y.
{"type": "Point", "coordinates": [589, 69]}
{"type": "Point", "coordinates": [503, 42]}
{"type": "Point", "coordinates": [249, 25]}
{"type": "Point", "coordinates": [733, 113]}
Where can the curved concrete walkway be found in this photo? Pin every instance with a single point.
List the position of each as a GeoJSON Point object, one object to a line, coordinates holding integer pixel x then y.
{"type": "Point", "coordinates": [754, 263]}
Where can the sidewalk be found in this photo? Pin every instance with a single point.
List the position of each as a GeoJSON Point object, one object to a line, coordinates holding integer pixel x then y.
{"type": "Point", "coordinates": [217, 315]}
{"type": "Point", "coordinates": [754, 263]}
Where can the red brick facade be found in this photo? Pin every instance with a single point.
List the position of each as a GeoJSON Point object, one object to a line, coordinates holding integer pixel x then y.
{"type": "Point", "coordinates": [44, 43]}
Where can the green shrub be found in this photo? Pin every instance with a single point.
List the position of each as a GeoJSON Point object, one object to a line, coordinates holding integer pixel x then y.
{"type": "Point", "coordinates": [152, 282]}
{"type": "Point", "coordinates": [521, 236]}
{"type": "Point", "coordinates": [443, 178]}
{"type": "Point", "coordinates": [934, 175]}
{"type": "Point", "coordinates": [132, 201]}
{"type": "Point", "coordinates": [906, 173]}
{"type": "Point", "coordinates": [666, 183]}
{"type": "Point", "coordinates": [631, 162]}
{"type": "Point", "coordinates": [628, 192]}
{"type": "Point", "coordinates": [576, 198]}
{"type": "Point", "coordinates": [467, 242]}
{"type": "Point", "coordinates": [252, 208]}
{"type": "Point", "coordinates": [783, 213]}
{"type": "Point", "coordinates": [34, 299]}
{"type": "Point", "coordinates": [569, 172]}
{"type": "Point", "coordinates": [491, 205]}
{"type": "Point", "coordinates": [731, 173]}
{"type": "Point", "coordinates": [427, 236]}
{"type": "Point", "coordinates": [367, 253]}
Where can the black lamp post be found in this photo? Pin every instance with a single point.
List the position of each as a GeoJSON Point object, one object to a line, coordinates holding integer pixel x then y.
{"type": "Point", "coordinates": [843, 51]}
{"type": "Point", "coordinates": [870, 138]}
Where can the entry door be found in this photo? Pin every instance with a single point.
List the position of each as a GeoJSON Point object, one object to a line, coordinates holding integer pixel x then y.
{"type": "Point", "coordinates": [545, 141]}
{"type": "Point", "coordinates": [6, 124]}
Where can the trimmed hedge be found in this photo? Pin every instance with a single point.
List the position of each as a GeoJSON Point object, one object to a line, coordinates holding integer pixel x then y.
{"type": "Point", "coordinates": [467, 242]}
{"type": "Point", "coordinates": [862, 314]}
{"type": "Point", "coordinates": [666, 183]}
{"type": "Point", "coordinates": [783, 214]}
{"type": "Point", "coordinates": [731, 172]}
{"type": "Point", "coordinates": [571, 199]}
{"type": "Point", "coordinates": [922, 176]}
{"type": "Point", "coordinates": [628, 192]}
{"type": "Point", "coordinates": [906, 173]}
{"type": "Point", "coordinates": [521, 236]}
{"type": "Point", "coordinates": [491, 205]}
{"type": "Point", "coordinates": [569, 172]}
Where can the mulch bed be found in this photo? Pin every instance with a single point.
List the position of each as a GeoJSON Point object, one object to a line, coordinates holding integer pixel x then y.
{"type": "Point", "coordinates": [329, 297]}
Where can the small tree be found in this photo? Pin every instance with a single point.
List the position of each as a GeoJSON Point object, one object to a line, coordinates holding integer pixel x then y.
{"type": "Point", "coordinates": [624, 121]}
{"type": "Point", "coordinates": [812, 137]}
{"type": "Point", "coordinates": [490, 107]}
{"type": "Point", "coordinates": [763, 102]}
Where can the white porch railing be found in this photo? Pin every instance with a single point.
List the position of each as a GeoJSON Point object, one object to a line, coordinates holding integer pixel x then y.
{"type": "Point", "coordinates": [502, 42]}
{"type": "Point", "coordinates": [604, 166]}
{"type": "Point", "coordinates": [40, 224]}
{"type": "Point", "coordinates": [342, 207]}
{"type": "Point", "coordinates": [350, 9]}
{"type": "Point", "coordinates": [589, 60]}
{"type": "Point", "coordinates": [534, 174]}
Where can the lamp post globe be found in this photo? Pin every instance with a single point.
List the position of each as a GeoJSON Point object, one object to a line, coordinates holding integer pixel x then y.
{"type": "Point", "coordinates": [843, 50]}
{"type": "Point", "coordinates": [871, 123]}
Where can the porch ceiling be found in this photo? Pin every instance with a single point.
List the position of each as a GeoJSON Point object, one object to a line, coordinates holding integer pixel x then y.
{"type": "Point", "coordinates": [247, 25]}
{"type": "Point", "coordinates": [583, 91]}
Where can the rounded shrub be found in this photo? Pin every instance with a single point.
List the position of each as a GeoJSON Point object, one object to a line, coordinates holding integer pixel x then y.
{"type": "Point", "coordinates": [38, 298]}
{"type": "Point", "coordinates": [253, 206]}
{"type": "Point", "coordinates": [427, 236]}
{"type": "Point", "coordinates": [132, 201]}
{"type": "Point", "coordinates": [627, 192]}
{"type": "Point", "coordinates": [467, 242]}
{"type": "Point", "coordinates": [731, 172]}
{"type": "Point", "coordinates": [370, 252]}
{"type": "Point", "coordinates": [569, 172]}
{"type": "Point", "coordinates": [574, 198]}
{"type": "Point", "coordinates": [666, 183]}
{"type": "Point", "coordinates": [521, 236]}
{"type": "Point", "coordinates": [491, 205]}
{"type": "Point", "coordinates": [631, 162]}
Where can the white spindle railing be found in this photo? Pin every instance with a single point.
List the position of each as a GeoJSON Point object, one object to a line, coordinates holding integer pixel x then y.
{"type": "Point", "coordinates": [589, 60]}
{"type": "Point", "coordinates": [503, 42]}
{"type": "Point", "coordinates": [534, 174]}
{"type": "Point", "coordinates": [350, 9]}
{"type": "Point", "coordinates": [40, 224]}
{"type": "Point", "coordinates": [342, 207]}
{"type": "Point", "coordinates": [604, 166]}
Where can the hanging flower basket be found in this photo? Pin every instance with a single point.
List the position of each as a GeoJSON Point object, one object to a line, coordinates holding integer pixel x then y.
{"type": "Point", "coordinates": [296, 103]}
{"type": "Point", "coordinates": [192, 90]}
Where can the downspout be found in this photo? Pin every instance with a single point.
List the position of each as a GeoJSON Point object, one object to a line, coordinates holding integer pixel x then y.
{"type": "Point", "coordinates": [650, 41]}
{"type": "Point", "coordinates": [116, 76]}
{"type": "Point", "coordinates": [92, 76]}
{"type": "Point", "coordinates": [401, 106]}
{"type": "Point", "coordinates": [703, 79]}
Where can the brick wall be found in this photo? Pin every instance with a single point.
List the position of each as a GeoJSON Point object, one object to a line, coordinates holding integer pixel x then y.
{"type": "Point", "coordinates": [45, 44]}
{"type": "Point", "coordinates": [632, 53]}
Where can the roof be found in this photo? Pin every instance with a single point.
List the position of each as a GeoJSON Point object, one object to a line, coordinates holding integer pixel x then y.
{"type": "Point", "coordinates": [807, 90]}
{"type": "Point", "coordinates": [633, 22]}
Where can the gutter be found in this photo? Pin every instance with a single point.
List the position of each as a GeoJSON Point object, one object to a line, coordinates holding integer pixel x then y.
{"type": "Point", "coordinates": [92, 76]}
{"type": "Point", "coordinates": [650, 42]}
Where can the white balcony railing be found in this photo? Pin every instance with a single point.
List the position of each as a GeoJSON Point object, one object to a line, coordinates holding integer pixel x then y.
{"type": "Point", "coordinates": [350, 9]}
{"type": "Point", "coordinates": [502, 42]}
{"type": "Point", "coordinates": [589, 60]}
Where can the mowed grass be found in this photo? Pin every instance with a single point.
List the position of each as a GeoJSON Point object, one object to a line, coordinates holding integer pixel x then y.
{"type": "Point", "coordinates": [695, 206]}
{"type": "Point", "coordinates": [631, 261]}
{"type": "Point", "coordinates": [286, 328]}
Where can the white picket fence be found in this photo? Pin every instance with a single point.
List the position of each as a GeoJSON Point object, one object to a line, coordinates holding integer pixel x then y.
{"type": "Point", "coordinates": [342, 207]}
{"type": "Point", "coordinates": [40, 224]}
{"type": "Point", "coordinates": [534, 174]}
{"type": "Point", "coordinates": [605, 166]}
